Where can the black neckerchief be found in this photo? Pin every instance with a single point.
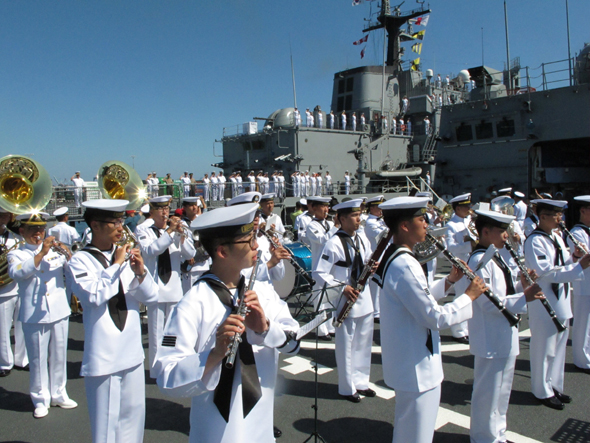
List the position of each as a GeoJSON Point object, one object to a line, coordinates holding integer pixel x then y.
{"type": "Point", "coordinates": [557, 262]}
{"type": "Point", "coordinates": [251, 390]}
{"type": "Point", "coordinates": [118, 303]}
{"type": "Point", "coordinates": [164, 263]}
{"type": "Point", "coordinates": [355, 263]}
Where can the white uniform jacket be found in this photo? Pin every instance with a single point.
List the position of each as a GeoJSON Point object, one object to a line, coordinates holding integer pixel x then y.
{"type": "Point", "coordinates": [581, 234]}
{"type": "Point", "coordinates": [329, 272]}
{"type": "Point", "coordinates": [540, 256]}
{"type": "Point", "coordinates": [64, 233]}
{"type": "Point", "coordinates": [300, 226]}
{"type": "Point", "coordinates": [456, 232]}
{"type": "Point", "coordinates": [274, 219]}
{"type": "Point", "coordinates": [409, 309]}
{"type": "Point", "coordinates": [144, 225]}
{"type": "Point", "coordinates": [106, 348]}
{"type": "Point", "coordinates": [276, 273]}
{"type": "Point", "coordinates": [530, 224]}
{"type": "Point", "coordinates": [152, 247]}
{"type": "Point", "coordinates": [373, 227]}
{"type": "Point", "coordinates": [317, 234]}
{"type": "Point", "coordinates": [8, 239]}
{"type": "Point", "coordinates": [41, 289]}
{"type": "Point", "coordinates": [189, 337]}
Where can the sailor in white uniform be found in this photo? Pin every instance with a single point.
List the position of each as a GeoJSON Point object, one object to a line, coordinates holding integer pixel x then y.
{"type": "Point", "coordinates": [155, 185]}
{"type": "Point", "coordinates": [207, 187]}
{"type": "Point", "coordinates": [110, 288]}
{"type": "Point", "coordinates": [9, 306]}
{"type": "Point", "coordinates": [214, 187]}
{"type": "Point", "coordinates": [328, 179]}
{"type": "Point", "coordinates": [343, 121]}
{"type": "Point", "coordinates": [44, 312]}
{"type": "Point", "coordinates": [163, 248]}
{"type": "Point", "coordinates": [302, 221]}
{"type": "Point", "coordinates": [221, 192]}
{"type": "Point", "coordinates": [374, 226]}
{"type": "Point", "coordinates": [147, 222]}
{"type": "Point", "coordinates": [331, 119]}
{"type": "Point", "coordinates": [227, 405]}
{"type": "Point", "coordinates": [347, 183]}
{"type": "Point", "coordinates": [297, 116]}
{"type": "Point", "coordinates": [411, 319]}
{"type": "Point", "coordinates": [459, 244]}
{"type": "Point", "coordinates": [520, 208]}
{"type": "Point", "coordinates": [545, 252]}
{"type": "Point", "coordinates": [194, 267]}
{"type": "Point", "coordinates": [268, 217]}
{"type": "Point", "coordinates": [186, 184]}
{"type": "Point", "coordinates": [581, 327]}
{"type": "Point", "coordinates": [62, 231]}
{"type": "Point", "coordinates": [531, 222]}
{"type": "Point", "coordinates": [341, 263]}
{"type": "Point", "coordinates": [493, 341]}
{"type": "Point", "coordinates": [79, 188]}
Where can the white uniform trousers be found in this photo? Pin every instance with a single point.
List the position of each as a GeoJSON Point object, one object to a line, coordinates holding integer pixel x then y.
{"type": "Point", "coordinates": [547, 355]}
{"type": "Point", "coordinates": [460, 329]}
{"type": "Point", "coordinates": [9, 307]}
{"type": "Point", "coordinates": [157, 316]}
{"type": "Point", "coordinates": [375, 289]}
{"type": "Point", "coordinates": [206, 191]}
{"type": "Point", "coordinates": [116, 404]}
{"type": "Point", "coordinates": [353, 354]}
{"type": "Point", "coordinates": [415, 415]}
{"type": "Point", "coordinates": [489, 401]}
{"type": "Point", "coordinates": [78, 196]}
{"type": "Point", "coordinates": [326, 327]}
{"type": "Point", "coordinates": [47, 347]}
{"type": "Point", "coordinates": [581, 331]}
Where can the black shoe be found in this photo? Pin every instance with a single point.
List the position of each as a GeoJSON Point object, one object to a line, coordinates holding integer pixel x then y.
{"type": "Point", "coordinates": [277, 432]}
{"type": "Point", "coordinates": [377, 320]}
{"type": "Point", "coordinates": [584, 370]}
{"type": "Point", "coordinates": [4, 372]}
{"type": "Point", "coordinates": [564, 398]}
{"type": "Point", "coordinates": [325, 337]}
{"type": "Point", "coordinates": [552, 402]}
{"type": "Point", "coordinates": [22, 368]}
{"type": "Point", "coordinates": [462, 340]}
{"type": "Point", "coordinates": [354, 398]}
{"type": "Point", "coordinates": [332, 334]}
{"type": "Point", "coordinates": [366, 392]}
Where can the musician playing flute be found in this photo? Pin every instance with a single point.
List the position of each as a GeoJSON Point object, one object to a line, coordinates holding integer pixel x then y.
{"type": "Point", "coordinates": [110, 289]}
{"type": "Point", "coordinates": [341, 263]}
{"type": "Point", "coordinates": [228, 405]}
{"type": "Point", "coordinates": [411, 319]}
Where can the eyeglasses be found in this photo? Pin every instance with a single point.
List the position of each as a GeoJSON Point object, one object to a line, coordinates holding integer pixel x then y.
{"type": "Point", "coordinates": [36, 228]}
{"type": "Point", "coordinates": [116, 224]}
{"type": "Point", "coordinates": [252, 241]}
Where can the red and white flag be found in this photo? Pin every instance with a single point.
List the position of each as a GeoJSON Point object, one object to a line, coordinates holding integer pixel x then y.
{"type": "Point", "coordinates": [423, 21]}
{"type": "Point", "coordinates": [363, 52]}
{"type": "Point", "coordinates": [361, 41]}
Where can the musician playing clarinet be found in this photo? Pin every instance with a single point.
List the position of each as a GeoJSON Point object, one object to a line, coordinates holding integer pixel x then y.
{"type": "Point", "coordinates": [545, 252]}
{"type": "Point", "coordinates": [341, 262]}
{"type": "Point", "coordinates": [411, 319]}
{"type": "Point", "coordinates": [493, 341]}
{"type": "Point", "coordinates": [228, 405]}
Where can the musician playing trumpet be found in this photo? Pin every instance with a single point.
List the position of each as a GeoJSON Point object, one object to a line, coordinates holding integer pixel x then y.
{"type": "Point", "coordinates": [341, 263]}
{"type": "Point", "coordinates": [228, 405]}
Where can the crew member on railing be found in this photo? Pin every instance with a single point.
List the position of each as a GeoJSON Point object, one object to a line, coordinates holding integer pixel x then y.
{"type": "Point", "coordinates": [411, 319]}
{"type": "Point", "coordinates": [341, 263]}
{"type": "Point", "coordinates": [79, 189]}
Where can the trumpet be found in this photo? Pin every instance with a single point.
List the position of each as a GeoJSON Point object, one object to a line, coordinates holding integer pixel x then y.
{"type": "Point", "coordinates": [79, 245]}
{"type": "Point", "coordinates": [61, 249]}
{"type": "Point", "coordinates": [127, 238]}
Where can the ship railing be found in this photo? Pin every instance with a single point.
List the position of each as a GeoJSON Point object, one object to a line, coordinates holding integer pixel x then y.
{"type": "Point", "coordinates": [241, 129]}
{"type": "Point", "coordinates": [545, 76]}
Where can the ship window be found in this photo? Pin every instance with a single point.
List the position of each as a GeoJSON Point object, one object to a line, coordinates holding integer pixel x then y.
{"type": "Point", "coordinates": [348, 103]}
{"type": "Point", "coordinates": [340, 105]}
{"type": "Point", "coordinates": [464, 132]}
{"type": "Point", "coordinates": [349, 84]}
{"type": "Point", "coordinates": [341, 85]}
{"type": "Point", "coordinates": [505, 128]}
{"type": "Point", "coordinates": [484, 130]}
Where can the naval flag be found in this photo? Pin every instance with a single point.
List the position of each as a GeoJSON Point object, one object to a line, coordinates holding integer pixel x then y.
{"type": "Point", "coordinates": [423, 20]}
{"type": "Point", "coordinates": [419, 35]}
{"type": "Point", "coordinates": [363, 52]}
{"type": "Point", "coordinates": [415, 64]}
{"type": "Point", "coordinates": [417, 48]}
{"type": "Point", "coordinates": [362, 40]}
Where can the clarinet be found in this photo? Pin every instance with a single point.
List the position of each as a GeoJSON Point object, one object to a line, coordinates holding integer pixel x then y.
{"type": "Point", "coordinates": [362, 281]}
{"type": "Point", "coordinates": [560, 327]}
{"type": "Point", "coordinates": [298, 268]}
{"type": "Point", "coordinates": [513, 319]}
{"type": "Point", "coordinates": [574, 240]}
{"type": "Point", "coordinates": [232, 349]}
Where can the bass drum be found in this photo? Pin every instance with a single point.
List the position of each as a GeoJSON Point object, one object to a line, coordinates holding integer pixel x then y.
{"type": "Point", "coordinates": [293, 283]}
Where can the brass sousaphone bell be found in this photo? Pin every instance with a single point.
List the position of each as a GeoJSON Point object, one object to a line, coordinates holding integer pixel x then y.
{"type": "Point", "coordinates": [118, 180]}
{"type": "Point", "coordinates": [25, 185]}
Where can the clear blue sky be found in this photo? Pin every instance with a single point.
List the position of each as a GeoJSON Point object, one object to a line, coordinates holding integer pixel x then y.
{"type": "Point", "coordinates": [83, 82]}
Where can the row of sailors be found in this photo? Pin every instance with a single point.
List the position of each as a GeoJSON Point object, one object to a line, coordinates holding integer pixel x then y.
{"type": "Point", "coordinates": [305, 184]}
{"type": "Point", "coordinates": [214, 189]}
{"type": "Point", "coordinates": [110, 285]}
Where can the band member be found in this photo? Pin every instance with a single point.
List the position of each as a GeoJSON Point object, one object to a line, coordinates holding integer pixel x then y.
{"type": "Point", "coordinates": [342, 261]}
{"type": "Point", "coordinates": [110, 288]}
{"type": "Point", "coordinates": [9, 305]}
{"type": "Point", "coordinates": [163, 248]}
{"type": "Point", "coordinates": [62, 231]}
{"type": "Point", "coordinates": [545, 252]}
{"type": "Point", "coordinates": [493, 341]}
{"type": "Point", "coordinates": [373, 227]}
{"type": "Point", "coordinates": [459, 244]}
{"type": "Point", "coordinates": [581, 327]}
{"type": "Point", "coordinates": [228, 405]}
{"type": "Point", "coordinates": [411, 319]}
{"type": "Point", "coordinates": [531, 222]}
{"type": "Point", "coordinates": [302, 221]}
{"type": "Point", "coordinates": [199, 263]}
{"type": "Point", "coordinates": [269, 219]}
{"type": "Point", "coordinates": [39, 271]}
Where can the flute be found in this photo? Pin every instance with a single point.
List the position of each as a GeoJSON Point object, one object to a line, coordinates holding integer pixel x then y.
{"type": "Point", "coordinates": [232, 349]}
{"type": "Point", "coordinates": [560, 327]}
{"type": "Point", "coordinates": [513, 319]}
{"type": "Point", "coordinates": [574, 240]}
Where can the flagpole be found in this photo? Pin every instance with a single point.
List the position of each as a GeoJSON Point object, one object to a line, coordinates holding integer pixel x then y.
{"type": "Point", "coordinates": [569, 51]}
{"type": "Point", "coordinates": [507, 47]}
{"type": "Point", "coordinates": [383, 75]}
{"type": "Point", "coordinates": [293, 76]}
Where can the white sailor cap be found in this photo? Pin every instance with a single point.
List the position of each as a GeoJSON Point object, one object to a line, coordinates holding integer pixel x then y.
{"type": "Point", "coordinates": [192, 200]}
{"type": "Point", "coordinates": [161, 201]}
{"type": "Point", "coordinates": [112, 208]}
{"type": "Point", "coordinates": [246, 197]}
{"type": "Point", "coordinates": [583, 200]}
{"type": "Point", "coordinates": [518, 194]}
{"type": "Point", "coordinates": [154, 173]}
{"type": "Point", "coordinates": [505, 190]}
{"type": "Point", "coordinates": [549, 205]}
{"type": "Point", "coordinates": [463, 199]}
{"type": "Point", "coordinates": [33, 218]}
{"type": "Point", "coordinates": [405, 203]}
{"type": "Point", "coordinates": [377, 200]}
{"type": "Point", "coordinates": [232, 221]}
{"type": "Point", "coordinates": [145, 208]}
{"type": "Point", "coordinates": [186, 172]}
{"type": "Point", "coordinates": [494, 218]}
{"type": "Point", "coordinates": [77, 172]}
{"type": "Point", "coordinates": [349, 206]}
{"type": "Point", "coordinates": [267, 197]}
{"type": "Point", "coordinates": [303, 201]}
{"type": "Point", "coordinates": [60, 211]}
{"type": "Point", "coordinates": [316, 200]}
{"type": "Point", "coordinates": [546, 195]}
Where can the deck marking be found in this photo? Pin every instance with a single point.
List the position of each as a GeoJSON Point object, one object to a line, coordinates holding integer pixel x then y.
{"type": "Point", "coordinates": [297, 365]}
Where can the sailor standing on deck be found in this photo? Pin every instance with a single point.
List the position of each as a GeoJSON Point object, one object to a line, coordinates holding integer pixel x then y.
{"type": "Point", "coordinates": [207, 187]}
{"type": "Point", "coordinates": [347, 183]}
{"type": "Point", "coordinates": [163, 248]}
{"type": "Point", "coordinates": [331, 119]}
{"type": "Point", "coordinates": [328, 179]}
{"type": "Point", "coordinates": [411, 319]}
{"type": "Point", "coordinates": [221, 193]}
{"type": "Point", "coordinates": [297, 116]}
{"type": "Point", "coordinates": [214, 187]}
{"type": "Point", "coordinates": [545, 252]}
{"type": "Point", "coordinates": [353, 121]}
{"type": "Point", "coordinates": [302, 221]}
{"type": "Point", "coordinates": [155, 184]}
{"type": "Point", "coordinates": [62, 231]}
{"type": "Point", "coordinates": [110, 288]}
{"type": "Point", "coordinates": [193, 268]}
{"type": "Point", "coordinates": [520, 208]}
{"type": "Point", "coordinates": [343, 120]}
{"type": "Point", "coordinates": [79, 186]}
{"type": "Point", "coordinates": [186, 184]}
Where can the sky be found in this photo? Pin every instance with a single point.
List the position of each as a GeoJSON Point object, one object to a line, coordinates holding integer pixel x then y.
{"type": "Point", "coordinates": [153, 83]}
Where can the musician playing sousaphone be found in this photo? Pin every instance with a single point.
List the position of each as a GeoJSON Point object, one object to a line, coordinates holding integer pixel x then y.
{"type": "Point", "coordinates": [341, 262]}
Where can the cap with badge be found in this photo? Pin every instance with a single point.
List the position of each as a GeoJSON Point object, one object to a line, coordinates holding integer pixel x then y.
{"type": "Point", "coordinates": [315, 200]}
{"type": "Point", "coordinates": [377, 200]}
{"type": "Point", "coordinates": [192, 201]}
{"type": "Point", "coordinates": [267, 198]}
{"type": "Point", "coordinates": [545, 204]}
{"type": "Point", "coordinates": [60, 211]}
{"type": "Point", "coordinates": [246, 197]}
{"type": "Point", "coordinates": [33, 218]}
{"type": "Point", "coordinates": [494, 218]}
{"type": "Point", "coordinates": [111, 208]}
{"type": "Point", "coordinates": [401, 207]}
{"type": "Point", "coordinates": [463, 199]}
{"type": "Point", "coordinates": [232, 221]}
{"type": "Point", "coordinates": [162, 201]}
{"type": "Point", "coordinates": [348, 206]}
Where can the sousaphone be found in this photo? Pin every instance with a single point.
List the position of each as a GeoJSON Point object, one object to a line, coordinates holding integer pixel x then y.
{"type": "Point", "coordinates": [25, 185]}
{"type": "Point", "coordinates": [118, 180]}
